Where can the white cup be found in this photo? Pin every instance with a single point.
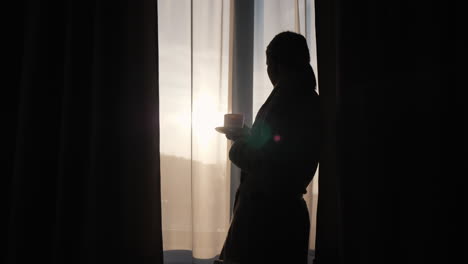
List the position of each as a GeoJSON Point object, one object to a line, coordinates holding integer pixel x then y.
{"type": "Point", "coordinates": [234, 120]}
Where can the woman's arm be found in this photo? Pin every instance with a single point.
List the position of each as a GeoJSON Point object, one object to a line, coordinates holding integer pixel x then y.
{"type": "Point", "coordinates": [286, 139]}
{"type": "Point", "coordinates": [266, 147]}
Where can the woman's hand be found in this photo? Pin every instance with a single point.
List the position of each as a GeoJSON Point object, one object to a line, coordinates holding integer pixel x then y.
{"type": "Point", "coordinates": [240, 133]}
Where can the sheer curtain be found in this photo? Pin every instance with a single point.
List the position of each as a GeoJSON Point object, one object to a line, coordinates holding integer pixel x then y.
{"type": "Point", "coordinates": [194, 61]}
{"type": "Point", "coordinates": [194, 52]}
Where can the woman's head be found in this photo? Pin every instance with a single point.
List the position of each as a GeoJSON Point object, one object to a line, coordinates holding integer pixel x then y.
{"type": "Point", "coordinates": [286, 53]}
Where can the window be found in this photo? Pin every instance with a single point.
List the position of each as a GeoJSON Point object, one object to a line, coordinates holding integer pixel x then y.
{"type": "Point", "coordinates": [195, 64]}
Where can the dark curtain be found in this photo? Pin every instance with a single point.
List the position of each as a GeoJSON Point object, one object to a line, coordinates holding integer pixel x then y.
{"type": "Point", "coordinates": [82, 174]}
{"type": "Point", "coordinates": [390, 186]}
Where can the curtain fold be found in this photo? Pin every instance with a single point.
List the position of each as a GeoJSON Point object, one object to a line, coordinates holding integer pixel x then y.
{"type": "Point", "coordinates": [386, 194]}
{"type": "Point", "coordinates": [194, 45]}
{"type": "Point", "coordinates": [85, 186]}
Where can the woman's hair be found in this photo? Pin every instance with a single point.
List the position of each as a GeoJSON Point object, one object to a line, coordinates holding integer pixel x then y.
{"type": "Point", "coordinates": [289, 49]}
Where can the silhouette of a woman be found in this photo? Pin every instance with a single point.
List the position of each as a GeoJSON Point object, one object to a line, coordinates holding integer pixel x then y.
{"type": "Point", "coordinates": [278, 159]}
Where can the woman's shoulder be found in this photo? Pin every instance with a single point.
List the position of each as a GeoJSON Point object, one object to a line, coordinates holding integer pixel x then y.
{"type": "Point", "coordinates": [296, 97]}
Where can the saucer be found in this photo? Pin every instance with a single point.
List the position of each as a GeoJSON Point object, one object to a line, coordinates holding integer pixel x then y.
{"type": "Point", "coordinates": [225, 130]}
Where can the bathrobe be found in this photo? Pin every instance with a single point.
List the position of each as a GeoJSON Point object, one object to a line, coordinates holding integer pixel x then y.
{"type": "Point", "coordinates": [278, 160]}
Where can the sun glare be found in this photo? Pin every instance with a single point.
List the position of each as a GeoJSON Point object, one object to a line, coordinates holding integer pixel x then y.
{"type": "Point", "coordinates": [205, 117]}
